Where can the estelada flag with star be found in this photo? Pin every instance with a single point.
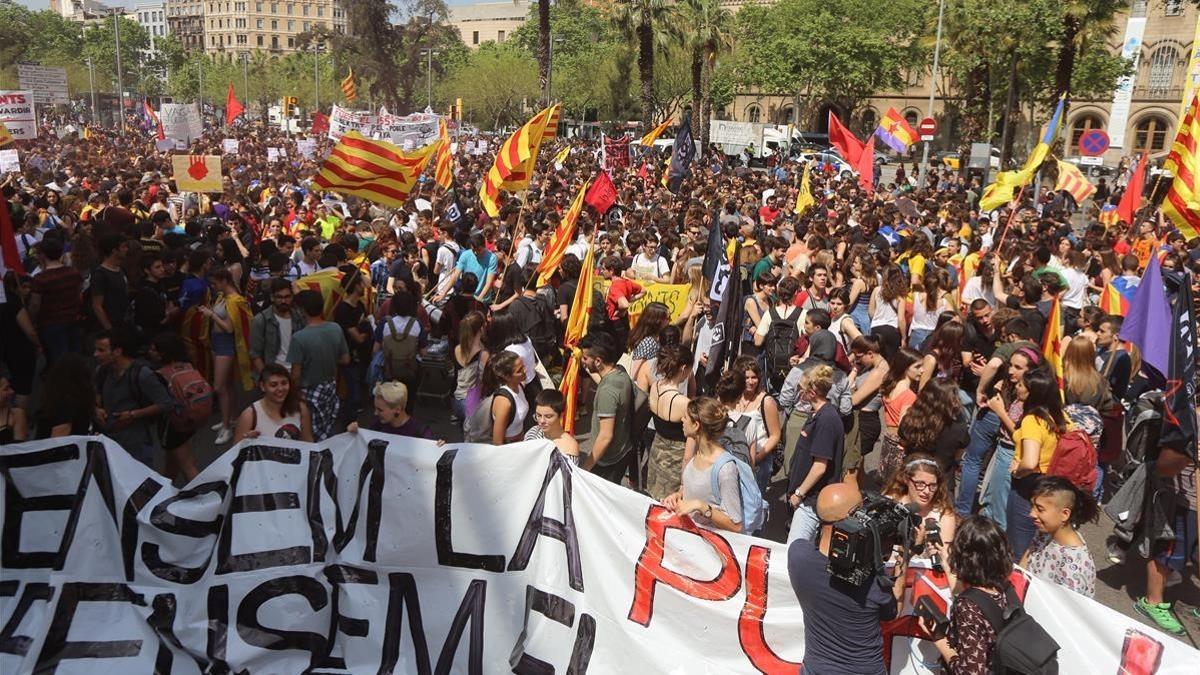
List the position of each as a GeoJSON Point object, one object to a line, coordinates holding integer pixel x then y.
{"type": "Point", "coordinates": [1052, 341]}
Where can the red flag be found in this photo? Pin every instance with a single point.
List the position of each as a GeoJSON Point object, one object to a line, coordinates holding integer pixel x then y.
{"type": "Point", "coordinates": [233, 107]}
{"type": "Point", "coordinates": [845, 141]}
{"type": "Point", "coordinates": [1132, 199]}
{"type": "Point", "coordinates": [644, 173]}
{"type": "Point", "coordinates": [602, 195]}
{"type": "Point", "coordinates": [320, 124]}
{"type": "Point", "coordinates": [8, 242]}
{"type": "Point", "coordinates": [866, 167]}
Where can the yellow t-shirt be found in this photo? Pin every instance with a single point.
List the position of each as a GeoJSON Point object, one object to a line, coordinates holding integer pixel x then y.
{"type": "Point", "coordinates": [1033, 428]}
{"type": "Point", "coordinates": [916, 266]}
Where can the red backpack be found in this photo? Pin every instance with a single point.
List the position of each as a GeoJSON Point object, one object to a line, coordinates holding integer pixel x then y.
{"type": "Point", "coordinates": [191, 395]}
{"type": "Point", "coordinates": [1075, 459]}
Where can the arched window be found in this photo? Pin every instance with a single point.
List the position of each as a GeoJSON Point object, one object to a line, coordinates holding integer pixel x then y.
{"type": "Point", "coordinates": [1162, 70]}
{"type": "Point", "coordinates": [870, 120]}
{"type": "Point", "coordinates": [787, 114]}
{"type": "Point", "coordinates": [753, 113]}
{"type": "Point", "coordinates": [1080, 126]}
{"type": "Point", "coordinates": [912, 117]}
{"type": "Point", "coordinates": [1151, 134]}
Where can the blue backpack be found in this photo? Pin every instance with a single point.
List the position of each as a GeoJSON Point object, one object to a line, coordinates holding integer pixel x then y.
{"type": "Point", "coordinates": [754, 507]}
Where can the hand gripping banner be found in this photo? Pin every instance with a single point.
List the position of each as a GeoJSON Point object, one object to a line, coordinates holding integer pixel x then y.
{"type": "Point", "coordinates": [379, 554]}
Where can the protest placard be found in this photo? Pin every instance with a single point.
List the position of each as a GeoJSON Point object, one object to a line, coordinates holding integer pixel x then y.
{"type": "Point", "coordinates": [375, 553]}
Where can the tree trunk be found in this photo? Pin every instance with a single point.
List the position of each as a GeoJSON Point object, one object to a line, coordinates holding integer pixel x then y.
{"type": "Point", "coordinates": [1010, 115]}
{"type": "Point", "coordinates": [543, 49]}
{"type": "Point", "coordinates": [698, 91]}
{"type": "Point", "coordinates": [1072, 25]}
{"type": "Point", "coordinates": [645, 35]}
{"type": "Point", "coordinates": [974, 112]}
{"type": "Point", "coordinates": [706, 100]}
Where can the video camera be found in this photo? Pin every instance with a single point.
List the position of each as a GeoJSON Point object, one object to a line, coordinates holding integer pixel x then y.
{"type": "Point", "coordinates": [863, 541]}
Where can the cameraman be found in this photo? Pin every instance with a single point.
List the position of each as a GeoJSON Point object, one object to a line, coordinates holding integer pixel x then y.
{"type": "Point", "coordinates": [842, 632]}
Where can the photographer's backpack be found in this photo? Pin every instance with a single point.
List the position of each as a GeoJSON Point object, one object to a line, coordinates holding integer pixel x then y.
{"type": "Point", "coordinates": [754, 507]}
{"type": "Point", "coordinates": [1022, 646]}
{"type": "Point", "coordinates": [779, 345]}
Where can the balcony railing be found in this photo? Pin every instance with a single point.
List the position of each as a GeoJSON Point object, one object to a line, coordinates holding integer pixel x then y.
{"type": "Point", "coordinates": [1144, 91]}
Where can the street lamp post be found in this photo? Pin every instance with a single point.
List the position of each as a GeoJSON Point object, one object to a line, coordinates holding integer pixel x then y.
{"type": "Point", "coordinates": [429, 78]}
{"type": "Point", "coordinates": [316, 78]}
{"type": "Point", "coordinates": [246, 76]}
{"type": "Point", "coordinates": [116, 15]}
{"type": "Point", "coordinates": [92, 85]}
{"type": "Point", "coordinates": [937, 52]}
{"type": "Point", "coordinates": [550, 70]}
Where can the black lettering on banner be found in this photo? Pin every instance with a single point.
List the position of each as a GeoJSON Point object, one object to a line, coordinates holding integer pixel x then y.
{"type": "Point", "coordinates": [321, 475]}
{"type": "Point", "coordinates": [539, 524]}
{"type": "Point", "coordinates": [17, 505]}
{"type": "Point", "coordinates": [10, 642]}
{"type": "Point", "coordinates": [254, 633]}
{"type": "Point", "coordinates": [338, 622]}
{"type": "Point", "coordinates": [162, 620]}
{"type": "Point", "coordinates": [443, 501]}
{"type": "Point", "coordinates": [550, 606]}
{"type": "Point", "coordinates": [402, 594]}
{"type": "Point", "coordinates": [129, 525]}
{"type": "Point", "coordinates": [57, 648]}
{"type": "Point", "coordinates": [259, 503]}
{"type": "Point", "coordinates": [585, 640]}
{"type": "Point", "coordinates": [162, 518]}
{"type": "Point", "coordinates": [218, 630]}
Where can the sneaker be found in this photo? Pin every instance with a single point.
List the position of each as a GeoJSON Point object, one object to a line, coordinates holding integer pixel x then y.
{"type": "Point", "coordinates": [224, 436]}
{"type": "Point", "coordinates": [1160, 614]}
{"type": "Point", "coordinates": [218, 426]}
{"type": "Point", "coordinates": [1174, 579]}
{"type": "Point", "coordinates": [1116, 554]}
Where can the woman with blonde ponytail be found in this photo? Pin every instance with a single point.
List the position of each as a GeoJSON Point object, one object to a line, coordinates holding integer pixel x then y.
{"type": "Point", "coordinates": [703, 423]}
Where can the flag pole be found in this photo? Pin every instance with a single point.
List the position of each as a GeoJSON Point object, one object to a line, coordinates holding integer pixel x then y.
{"type": "Point", "coordinates": [1010, 219]}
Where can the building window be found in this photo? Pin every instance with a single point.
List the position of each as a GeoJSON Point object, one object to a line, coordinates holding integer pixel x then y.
{"type": "Point", "coordinates": [1151, 135]}
{"type": "Point", "coordinates": [475, 37]}
{"type": "Point", "coordinates": [274, 8]}
{"type": "Point", "coordinates": [1138, 9]}
{"type": "Point", "coordinates": [274, 42]}
{"type": "Point", "coordinates": [320, 11]}
{"type": "Point", "coordinates": [291, 25]}
{"type": "Point", "coordinates": [1162, 70]}
{"type": "Point", "coordinates": [258, 6]}
{"type": "Point", "coordinates": [290, 8]}
{"type": "Point", "coordinates": [260, 40]}
{"type": "Point", "coordinates": [912, 116]}
{"type": "Point", "coordinates": [500, 36]}
{"type": "Point", "coordinates": [306, 26]}
{"type": "Point", "coordinates": [291, 43]}
{"type": "Point", "coordinates": [1174, 7]}
{"type": "Point", "coordinates": [258, 23]}
{"type": "Point", "coordinates": [753, 113]}
{"type": "Point", "coordinates": [304, 10]}
{"type": "Point", "coordinates": [869, 121]}
{"type": "Point", "coordinates": [241, 39]}
{"type": "Point", "coordinates": [274, 24]}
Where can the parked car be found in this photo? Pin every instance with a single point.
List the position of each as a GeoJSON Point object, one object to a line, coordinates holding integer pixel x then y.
{"type": "Point", "coordinates": [842, 167]}
{"type": "Point", "coordinates": [951, 160]}
{"type": "Point", "coordinates": [1092, 170]}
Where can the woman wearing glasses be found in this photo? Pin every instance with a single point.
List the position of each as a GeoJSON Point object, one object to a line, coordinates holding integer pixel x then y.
{"type": "Point", "coordinates": [921, 482]}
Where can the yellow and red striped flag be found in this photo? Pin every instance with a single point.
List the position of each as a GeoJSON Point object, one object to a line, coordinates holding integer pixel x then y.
{"type": "Point", "coordinates": [443, 171]}
{"type": "Point", "coordinates": [331, 284]}
{"type": "Point", "coordinates": [374, 170]}
{"type": "Point", "coordinates": [515, 160]}
{"type": "Point", "coordinates": [1113, 302]}
{"type": "Point", "coordinates": [1182, 203]}
{"type": "Point", "coordinates": [552, 123]}
{"type": "Point", "coordinates": [576, 329]}
{"type": "Point", "coordinates": [1071, 179]}
{"type": "Point", "coordinates": [563, 235]}
{"type": "Point", "coordinates": [648, 139]}
{"type": "Point", "coordinates": [1052, 341]}
{"type": "Point", "coordinates": [349, 88]}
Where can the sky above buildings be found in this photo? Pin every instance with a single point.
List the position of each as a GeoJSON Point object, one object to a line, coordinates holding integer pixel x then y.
{"type": "Point", "coordinates": [43, 4]}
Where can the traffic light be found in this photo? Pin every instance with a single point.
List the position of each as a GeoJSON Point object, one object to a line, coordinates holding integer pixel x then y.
{"type": "Point", "coordinates": [457, 112]}
{"type": "Point", "coordinates": [289, 102]}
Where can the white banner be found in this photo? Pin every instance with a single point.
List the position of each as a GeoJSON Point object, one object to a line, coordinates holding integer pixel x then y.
{"type": "Point", "coordinates": [229, 146]}
{"type": "Point", "coordinates": [276, 154]}
{"type": "Point", "coordinates": [307, 147]}
{"type": "Point", "coordinates": [372, 553]}
{"type": "Point", "coordinates": [17, 113]}
{"type": "Point", "coordinates": [1131, 50]}
{"type": "Point", "coordinates": [48, 83]}
{"type": "Point", "coordinates": [414, 130]}
{"type": "Point", "coordinates": [181, 121]}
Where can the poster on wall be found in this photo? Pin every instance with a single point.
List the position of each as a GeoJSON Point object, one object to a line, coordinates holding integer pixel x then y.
{"type": "Point", "coordinates": [1131, 50]}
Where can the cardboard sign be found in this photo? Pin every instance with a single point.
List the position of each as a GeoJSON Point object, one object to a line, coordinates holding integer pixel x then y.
{"type": "Point", "coordinates": [306, 147]}
{"type": "Point", "coordinates": [9, 161]}
{"type": "Point", "coordinates": [197, 173]}
{"type": "Point", "coordinates": [230, 146]}
{"type": "Point", "coordinates": [391, 554]}
{"type": "Point", "coordinates": [275, 154]}
{"type": "Point", "coordinates": [181, 121]}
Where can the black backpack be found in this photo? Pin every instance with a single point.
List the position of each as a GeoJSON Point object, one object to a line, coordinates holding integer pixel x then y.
{"type": "Point", "coordinates": [1022, 645]}
{"type": "Point", "coordinates": [779, 346]}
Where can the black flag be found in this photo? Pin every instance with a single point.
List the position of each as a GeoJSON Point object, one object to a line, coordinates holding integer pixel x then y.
{"type": "Point", "coordinates": [727, 325]}
{"type": "Point", "coordinates": [454, 212]}
{"type": "Point", "coordinates": [682, 153]}
{"type": "Point", "coordinates": [1179, 392]}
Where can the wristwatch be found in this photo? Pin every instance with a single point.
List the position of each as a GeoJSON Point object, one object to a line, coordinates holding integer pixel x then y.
{"type": "Point", "coordinates": [708, 511]}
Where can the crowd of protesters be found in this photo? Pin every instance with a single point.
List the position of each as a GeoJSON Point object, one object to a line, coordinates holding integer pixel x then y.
{"type": "Point", "coordinates": [889, 340]}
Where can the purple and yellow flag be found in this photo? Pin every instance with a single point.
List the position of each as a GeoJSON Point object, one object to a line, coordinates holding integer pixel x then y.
{"type": "Point", "coordinates": [895, 131]}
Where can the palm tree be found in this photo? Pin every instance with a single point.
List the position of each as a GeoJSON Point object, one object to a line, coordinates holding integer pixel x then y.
{"type": "Point", "coordinates": [543, 49]}
{"type": "Point", "coordinates": [1081, 20]}
{"type": "Point", "coordinates": [709, 33]}
{"type": "Point", "coordinates": [650, 23]}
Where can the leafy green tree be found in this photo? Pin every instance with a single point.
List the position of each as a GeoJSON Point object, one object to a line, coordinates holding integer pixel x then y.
{"type": "Point", "coordinates": [654, 26]}
{"type": "Point", "coordinates": [498, 84]}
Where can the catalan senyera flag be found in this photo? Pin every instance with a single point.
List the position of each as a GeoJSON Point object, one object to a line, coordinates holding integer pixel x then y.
{"type": "Point", "coordinates": [1182, 203]}
{"type": "Point", "coordinates": [1108, 215]}
{"type": "Point", "coordinates": [331, 284]}
{"type": "Point", "coordinates": [895, 131]}
{"type": "Point", "coordinates": [513, 167]}
{"type": "Point", "coordinates": [576, 329]}
{"type": "Point", "coordinates": [240, 314]}
{"type": "Point", "coordinates": [563, 236]}
{"type": "Point", "coordinates": [349, 88]}
{"type": "Point", "coordinates": [1113, 302]}
{"type": "Point", "coordinates": [443, 171]}
{"type": "Point", "coordinates": [1009, 182]}
{"type": "Point", "coordinates": [374, 170]}
{"type": "Point", "coordinates": [1071, 179]}
{"type": "Point", "coordinates": [552, 122]}
{"type": "Point", "coordinates": [805, 199]}
{"type": "Point", "coordinates": [1052, 341]}
{"type": "Point", "coordinates": [648, 139]}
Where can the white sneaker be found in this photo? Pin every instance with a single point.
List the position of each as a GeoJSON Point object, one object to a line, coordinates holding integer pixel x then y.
{"type": "Point", "coordinates": [218, 426]}
{"type": "Point", "coordinates": [1116, 554]}
{"type": "Point", "coordinates": [224, 436]}
{"type": "Point", "coordinates": [1173, 579]}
